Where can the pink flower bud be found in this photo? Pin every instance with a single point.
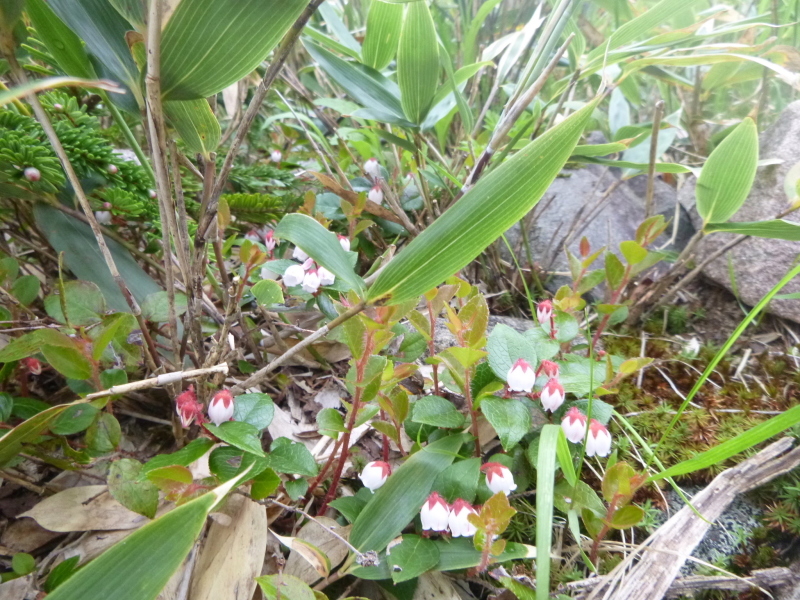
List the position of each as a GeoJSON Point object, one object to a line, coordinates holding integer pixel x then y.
{"type": "Point", "coordinates": [220, 409]}
{"type": "Point", "coordinates": [435, 513]}
{"type": "Point", "coordinates": [32, 365]}
{"type": "Point", "coordinates": [276, 156]}
{"type": "Point", "coordinates": [574, 425]}
{"type": "Point", "coordinates": [152, 193]}
{"type": "Point", "coordinates": [311, 281]}
{"type": "Point", "coordinates": [459, 519]}
{"type": "Point", "coordinates": [344, 242]}
{"type": "Point", "coordinates": [112, 169]}
{"type": "Point", "coordinates": [103, 217]}
{"type": "Point", "coordinates": [298, 254]}
{"type": "Point", "coordinates": [293, 276]}
{"type": "Point", "coordinates": [544, 311]}
{"type": "Point", "coordinates": [269, 240]}
{"type": "Point", "coordinates": [521, 377]}
{"type": "Point", "coordinates": [253, 236]}
{"type": "Point", "coordinates": [188, 408]}
{"type": "Point", "coordinates": [375, 474]}
{"type": "Point", "coordinates": [58, 107]}
{"type": "Point", "coordinates": [32, 174]}
{"type": "Point", "coordinates": [552, 395]}
{"type": "Point", "coordinates": [309, 264]}
{"type": "Point", "coordinates": [325, 276]}
{"type": "Point", "coordinates": [372, 168]}
{"type": "Point", "coordinates": [499, 478]}
{"type": "Point", "coordinates": [376, 195]}
{"type": "Point", "coordinates": [598, 443]}
{"type": "Point", "coordinates": [549, 368]}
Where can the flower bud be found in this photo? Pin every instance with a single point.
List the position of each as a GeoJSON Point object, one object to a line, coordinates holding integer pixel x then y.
{"type": "Point", "coordinates": [459, 519]}
{"type": "Point", "coordinates": [499, 478]}
{"type": "Point", "coordinates": [220, 409]}
{"type": "Point", "coordinates": [552, 395]}
{"type": "Point", "coordinates": [269, 240]}
{"type": "Point", "coordinates": [103, 217]}
{"type": "Point", "coordinates": [372, 168]}
{"type": "Point", "coordinates": [375, 474]}
{"type": "Point", "coordinates": [311, 281]}
{"type": "Point", "coordinates": [344, 241]}
{"type": "Point", "coordinates": [253, 236]}
{"type": "Point", "coordinates": [188, 408]}
{"type": "Point", "coordinates": [435, 513]}
{"type": "Point", "coordinates": [325, 276]}
{"type": "Point", "coordinates": [574, 425]}
{"type": "Point", "coordinates": [309, 264]}
{"type": "Point", "coordinates": [521, 377]}
{"type": "Point", "coordinates": [276, 156]}
{"type": "Point", "coordinates": [32, 174]}
{"type": "Point", "coordinates": [599, 440]}
{"type": "Point", "coordinates": [298, 254]}
{"type": "Point", "coordinates": [32, 365]}
{"type": "Point", "coordinates": [376, 195]}
{"type": "Point", "coordinates": [549, 368]}
{"type": "Point", "coordinates": [544, 311]}
{"type": "Point", "coordinates": [152, 193]}
{"type": "Point", "coordinates": [293, 276]}
{"type": "Point", "coordinates": [58, 107]}
{"type": "Point", "coordinates": [112, 169]}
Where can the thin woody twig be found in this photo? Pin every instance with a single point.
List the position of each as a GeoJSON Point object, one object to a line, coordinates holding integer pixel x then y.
{"type": "Point", "coordinates": [163, 379]}
{"type": "Point", "coordinates": [651, 171]}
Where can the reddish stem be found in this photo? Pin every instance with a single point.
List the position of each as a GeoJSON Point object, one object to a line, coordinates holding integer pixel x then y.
{"type": "Point", "coordinates": [432, 348]}
{"type": "Point", "coordinates": [386, 440]}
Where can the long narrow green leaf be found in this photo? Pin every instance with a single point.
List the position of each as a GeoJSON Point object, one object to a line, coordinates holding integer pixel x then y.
{"type": "Point", "coordinates": [27, 431]}
{"type": "Point", "coordinates": [138, 567]}
{"type": "Point", "coordinates": [461, 102]}
{"type": "Point", "coordinates": [743, 441]}
{"type": "Point", "coordinates": [545, 490]}
{"type": "Point", "coordinates": [470, 43]}
{"type": "Point", "coordinates": [762, 304]}
{"type": "Point", "coordinates": [337, 27]}
{"type": "Point", "coordinates": [207, 45]}
{"type": "Point", "coordinates": [365, 85]}
{"type": "Point", "coordinates": [445, 100]}
{"type": "Point", "coordinates": [196, 124]}
{"type": "Point", "coordinates": [728, 174]}
{"type": "Point", "coordinates": [777, 229]}
{"type": "Point", "coordinates": [398, 501]}
{"type": "Point", "coordinates": [61, 41]}
{"type": "Point", "coordinates": [565, 459]}
{"type": "Point", "coordinates": [497, 201]}
{"type": "Point", "coordinates": [320, 244]}
{"type": "Point", "coordinates": [38, 85]}
{"type": "Point", "coordinates": [384, 22]}
{"type": "Point", "coordinates": [417, 61]}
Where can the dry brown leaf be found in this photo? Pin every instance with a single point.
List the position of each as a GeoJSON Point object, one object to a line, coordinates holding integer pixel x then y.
{"type": "Point", "coordinates": [371, 207]}
{"type": "Point", "coordinates": [26, 535]}
{"type": "Point", "coordinates": [92, 545]}
{"type": "Point", "coordinates": [18, 589]}
{"type": "Point", "coordinates": [321, 538]}
{"type": "Point", "coordinates": [85, 508]}
{"type": "Point", "coordinates": [435, 586]}
{"type": "Point", "coordinates": [231, 557]}
{"type": "Point", "coordinates": [177, 587]}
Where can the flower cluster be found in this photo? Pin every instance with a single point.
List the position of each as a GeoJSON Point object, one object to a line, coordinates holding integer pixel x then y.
{"type": "Point", "coordinates": [309, 275]}
{"type": "Point", "coordinates": [189, 409]}
{"type": "Point", "coordinates": [438, 516]}
{"type": "Point", "coordinates": [598, 440]}
{"type": "Point", "coordinates": [521, 378]}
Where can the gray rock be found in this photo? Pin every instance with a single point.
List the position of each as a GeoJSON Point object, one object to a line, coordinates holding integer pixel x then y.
{"type": "Point", "coordinates": [759, 263]}
{"type": "Point", "coordinates": [592, 202]}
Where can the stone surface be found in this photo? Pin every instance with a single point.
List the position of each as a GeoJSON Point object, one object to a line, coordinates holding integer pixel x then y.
{"type": "Point", "coordinates": [592, 202]}
{"type": "Point", "coordinates": [759, 263]}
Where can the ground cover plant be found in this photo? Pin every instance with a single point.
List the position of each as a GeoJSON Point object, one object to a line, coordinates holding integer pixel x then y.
{"type": "Point", "coordinates": [257, 266]}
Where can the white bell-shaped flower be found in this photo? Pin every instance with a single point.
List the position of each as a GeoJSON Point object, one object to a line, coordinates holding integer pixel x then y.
{"type": "Point", "coordinates": [574, 425]}
{"type": "Point", "coordinates": [375, 474]}
{"type": "Point", "coordinates": [220, 409]}
{"type": "Point", "coordinates": [499, 478]}
{"type": "Point", "coordinates": [552, 395]}
{"type": "Point", "coordinates": [521, 377]}
{"type": "Point", "coordinates": [459, 519]}
{"type": "Point", "coordinates": [435, 513]}
{"type": "Point", "coordinates": [598, 442]}
{"type": "Point", "coordinates": [293, 276]}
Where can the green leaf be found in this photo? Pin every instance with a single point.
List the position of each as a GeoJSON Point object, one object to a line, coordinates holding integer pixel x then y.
{"type": "Point", "coordinates": [195, 123]}
{"type": "Point", "coordinates": [21, 347]}
{"type": "Point", "coordinates": [284, 587]}
{"type": "Point", "coordinates": [470, 43]}
{"type": "Point", "coordinates": [114, 327]}
{"type": "Point", "coordinates": [365, 85]}
{"type": "Point", "coordinates": [135, 494]}
{"type": "Point", "coordinates": [184, 457]}
{"type": "Point", "coordinates": [627, 517]}
{"type": "Point", "coordinates": [141, 565]}
{"type": "Point", "coordinates": [777, 229]}
{"type": "Point", "coordinates": [398, 501]}
{"type": "Point", "coordinates": [351, 506]}
{"type": "Point", "coordinates": [264, 484]}
{"type": "Point", "coordinates": [169, 479]}
{"type": "Point", "coordinates": [74, 419]}
{"type": "Point", "coordinates": [545, 490]}
{"type": "Point", "coordinates": [510, 418]}
{"type": "Point", "coordinates": [267, 292]}
{"type": "Point", "coordinates": [68, 361]}
{"type": "Point", "coordinates": [632, 252]}
{"type": "Point", "coordinates": [321, 245]}
{"type": "Point", "coordinates": [330, 422]}
{"type": "Point", "coordinates": [22, 563]}
{"type": "Point", "coordinates": [132, 10]}
{"type": "Point", "coordinates": [567, 327]}
{"type": "Point", "coordinates": [384, 22]}
{"type": "Point", "coordinates": [240, 435]}
{"type": "Point", "coordinates": [286, 456]}
{"type": "Point", "coordinates": [412, 557]}
{"type": "Point", "coordinates": [438, 411]}
{"type": "Point", "coordinates": [506, 346]}
{"type": "Point", "coordinates": [617, 482]}
{"type": "Point", "coordinates": [61, 572]}
{"type": "Point", "coordinates": [338, 28]}
{"type": "Point", "coordinates": [497, 201]}
{"type": "Point", "coordinates": [417, 61]}
{"type": "Point", "coordinates": [85, 303]}
{"type": "Point", "coordinates": [256, 409]}
{"type": "Point", "coordinates": [26, 289]}
{"type": "Point", "coordinates": [295, 488]}
{"type": "Point", "coordinates": [615, 271]}
{"type": "Point", "coordinates": [103, 435]}
{"type": "Point", "coordinates": [29, 430]}
{"type": "Point", "coordinates": [459, 480]}
{"type": "Point", "coordinates": [565, 460]}
{"type": "Point", "coordinates": [64, 46]}
{"type": "Point", "coordinates": [6, 406]}
{"type": "Point", "coordinates": [208, 45]}
{"type": "Point", "coordinates": [728, 174]}
{"type": "Point", "coordinates": [155, 307]}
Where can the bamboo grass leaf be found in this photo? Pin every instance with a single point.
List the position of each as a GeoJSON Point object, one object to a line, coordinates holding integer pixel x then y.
{"type": "Point", "coordinates": [384, 22]}
{"type": "Point", "coordinates": [417, 62]}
